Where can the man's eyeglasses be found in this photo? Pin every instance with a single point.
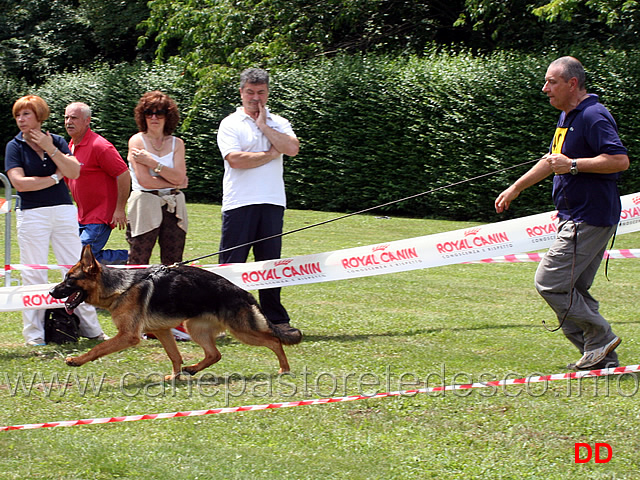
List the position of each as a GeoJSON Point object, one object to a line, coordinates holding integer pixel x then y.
{"type": "Point", "coordinates": [157, 113]}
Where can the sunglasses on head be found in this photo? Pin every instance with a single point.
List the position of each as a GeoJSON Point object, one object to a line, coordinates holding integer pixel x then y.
{"type": "Point", "coordinates": [158, 113]}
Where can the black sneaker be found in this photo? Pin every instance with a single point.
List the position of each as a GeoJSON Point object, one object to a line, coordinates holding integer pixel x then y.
{"type": "Point", "coordinates": [287, 329]}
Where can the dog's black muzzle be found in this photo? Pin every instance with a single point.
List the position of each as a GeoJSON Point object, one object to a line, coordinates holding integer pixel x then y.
{"type": "Point", "coordinates": [74, 295]}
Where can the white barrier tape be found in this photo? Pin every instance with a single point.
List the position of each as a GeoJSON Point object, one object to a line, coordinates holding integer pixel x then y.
{"type": "Point", "coordinates": [520, 258]}
{"type": "Point", "coordinates": [515, 236]}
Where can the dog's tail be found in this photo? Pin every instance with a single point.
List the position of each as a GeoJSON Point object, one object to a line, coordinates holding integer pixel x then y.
{"type": "Point", "coordinates": [287, 334]}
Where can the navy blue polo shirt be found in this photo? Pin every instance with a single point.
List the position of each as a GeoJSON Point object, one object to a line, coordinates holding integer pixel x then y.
{"type": "Point", "coordinates": [587, 131]}
{"type": "Point", "coordinates": [19, 154]}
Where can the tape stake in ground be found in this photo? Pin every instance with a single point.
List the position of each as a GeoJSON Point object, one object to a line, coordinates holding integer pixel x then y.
{"type": "Point", "coordinates": [323, 401]}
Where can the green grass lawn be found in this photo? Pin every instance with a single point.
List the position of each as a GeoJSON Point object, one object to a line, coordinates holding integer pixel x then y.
{"type": "Point", "coordinates": [453, 324]}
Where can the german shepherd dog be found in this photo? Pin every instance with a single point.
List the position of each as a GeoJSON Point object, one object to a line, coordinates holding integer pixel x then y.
{"type": "Point", "coordinates": [156, 299]}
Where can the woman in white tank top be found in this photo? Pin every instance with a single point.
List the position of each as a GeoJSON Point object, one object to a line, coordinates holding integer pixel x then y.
{"type": "Point", "coordinates": [156, 208]}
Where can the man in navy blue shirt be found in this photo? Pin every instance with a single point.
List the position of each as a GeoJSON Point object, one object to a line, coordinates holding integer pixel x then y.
{"type": "Point", "coordinates": [586, 157]}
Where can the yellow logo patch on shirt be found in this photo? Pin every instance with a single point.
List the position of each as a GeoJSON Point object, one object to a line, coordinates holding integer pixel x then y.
{"type": "Point", "coordinates": [558, 140]}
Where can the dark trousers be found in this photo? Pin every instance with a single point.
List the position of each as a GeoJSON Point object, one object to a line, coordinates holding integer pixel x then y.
{"type": "Point", "coordinates": [247, 224]}
{"type": "Point", "coordinates": [170, 237]}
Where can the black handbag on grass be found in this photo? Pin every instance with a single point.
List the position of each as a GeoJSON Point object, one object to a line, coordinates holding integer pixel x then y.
{"type": "Point", "coordinates": [60, 327]}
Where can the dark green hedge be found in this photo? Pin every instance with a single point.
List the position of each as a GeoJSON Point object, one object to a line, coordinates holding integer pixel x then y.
{"type": "Point", "coordinates": [376, 129]}
{"type": "Point", "coordinates": [113, 93]}
{"type": "Point", "coordinates": [373, 129]}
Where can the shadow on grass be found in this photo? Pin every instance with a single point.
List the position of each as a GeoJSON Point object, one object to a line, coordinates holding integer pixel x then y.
{"type": "Point", "coordinates": [83, 345]}
{"type": "Point", "coordinates": [409, 333]}
{"type": "Point", "coordinates": [62, 351]}
{"type": "Point", "coordinates": [51, 350]}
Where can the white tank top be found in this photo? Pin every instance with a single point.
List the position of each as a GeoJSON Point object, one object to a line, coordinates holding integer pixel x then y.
{"type": "Point", "coordinates": [166, 160]}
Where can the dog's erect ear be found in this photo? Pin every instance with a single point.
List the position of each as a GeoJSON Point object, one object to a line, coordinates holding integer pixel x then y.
{"type": "Point", "coordinates": [90, 265]}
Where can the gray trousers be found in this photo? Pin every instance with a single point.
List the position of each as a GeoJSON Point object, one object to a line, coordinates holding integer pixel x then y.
{"type": "Point", "coordinates": [583, 325]}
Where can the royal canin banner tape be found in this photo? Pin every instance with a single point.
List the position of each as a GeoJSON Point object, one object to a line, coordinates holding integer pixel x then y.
{"type": "Point", "coordinates": [526, 234]}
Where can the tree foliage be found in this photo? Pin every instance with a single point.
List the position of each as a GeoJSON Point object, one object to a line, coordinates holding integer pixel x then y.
{"type": "Point", "coordinates": [389, 97]}
{"type": "Point", "coordinates": [214, 35]}
{"type": "Point", "coordinates": [42, 37]}
{"type": "Point", "coordinates": [622, 17]}
{"type": "Point", "coordinates": [517, 23]}
{"type": "Point", "coordinates": [213, 39]}
{"type": "Point", "coordinates": [376, 127]}
{"type": "Point", "coordinates": [612, 12]}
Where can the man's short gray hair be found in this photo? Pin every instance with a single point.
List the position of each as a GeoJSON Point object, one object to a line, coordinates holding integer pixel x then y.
{"type": "Point", "coordinates": [571, 67]}
{"type": "Point", "coordinates": [254, 75]}
{"type": "Point", "coordinates": [84, 108]}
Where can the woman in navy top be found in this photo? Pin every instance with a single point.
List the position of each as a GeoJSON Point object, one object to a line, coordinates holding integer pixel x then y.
{"type": "Point", "coordinates": [36, 163]}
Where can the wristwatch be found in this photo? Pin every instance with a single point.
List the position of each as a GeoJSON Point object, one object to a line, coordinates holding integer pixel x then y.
{"type": "Point", "coordinates": [574, 167]}
{"type": "Point", "coordinates": [158, 168]}
{"type": "Point", "coordinates": [55, 178]}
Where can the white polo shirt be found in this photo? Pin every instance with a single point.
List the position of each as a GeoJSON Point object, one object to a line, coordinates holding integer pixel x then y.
{"type": "Point", "coordinates": [264, 184]}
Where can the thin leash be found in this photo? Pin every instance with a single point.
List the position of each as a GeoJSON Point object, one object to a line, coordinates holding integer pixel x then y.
{"type": "Point", "coordinates": [573, 264]}
{"type": "Point", "coordinates": [495, 172]}
{"type": "Point", "coordinates": [573, 268]}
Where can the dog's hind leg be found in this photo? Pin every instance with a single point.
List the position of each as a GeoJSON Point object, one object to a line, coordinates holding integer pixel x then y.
{"type": "Point", "coordinates": [169, 343]}
{"type": "Point", "coordinates": [203, 331]}
{"type": "Point", "coordinates": [263, 339]}
{"type": "Point", "coordinates": [250, 326]}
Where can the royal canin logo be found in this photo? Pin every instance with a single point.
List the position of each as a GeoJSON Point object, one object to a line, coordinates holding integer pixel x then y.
{"type": "Point", "coordinates": [283, 261]}
{"type": "Point", "coordinates": [472, 240]}
{"type": "Point", "coordinates": [40, 300]}
{"type": "Point", "coordinates": [287, 271]}
{"type": "Point", "coordinates": [546, 229]}
{"type": "Point", "coordinates": [633, 212]}
{"type": "Point", "coordinates": [381, 255]}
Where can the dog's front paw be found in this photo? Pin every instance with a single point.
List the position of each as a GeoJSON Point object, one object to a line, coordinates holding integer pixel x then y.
{"type": "Point", "coordinates": [190, 370]}
{"type": "Point", "coordinates": [179, 377]}
{"type": "Point", "coordinates": [71, 361]}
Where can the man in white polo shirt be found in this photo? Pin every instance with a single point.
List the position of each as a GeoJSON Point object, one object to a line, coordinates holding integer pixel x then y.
{"type": "Point", "coordinates": [252, 141]}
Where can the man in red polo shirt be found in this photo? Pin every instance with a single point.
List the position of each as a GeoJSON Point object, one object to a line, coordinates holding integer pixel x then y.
{"type": "Point", "coordinates": [102, 190]}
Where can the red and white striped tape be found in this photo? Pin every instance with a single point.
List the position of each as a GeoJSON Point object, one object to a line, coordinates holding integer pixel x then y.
{"type": "Point", "coordinates": [322, 401]}
{"type": "Point", "coordinates": [536, 257]}
{"type": "Point", "coordinates": [27, 266]}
